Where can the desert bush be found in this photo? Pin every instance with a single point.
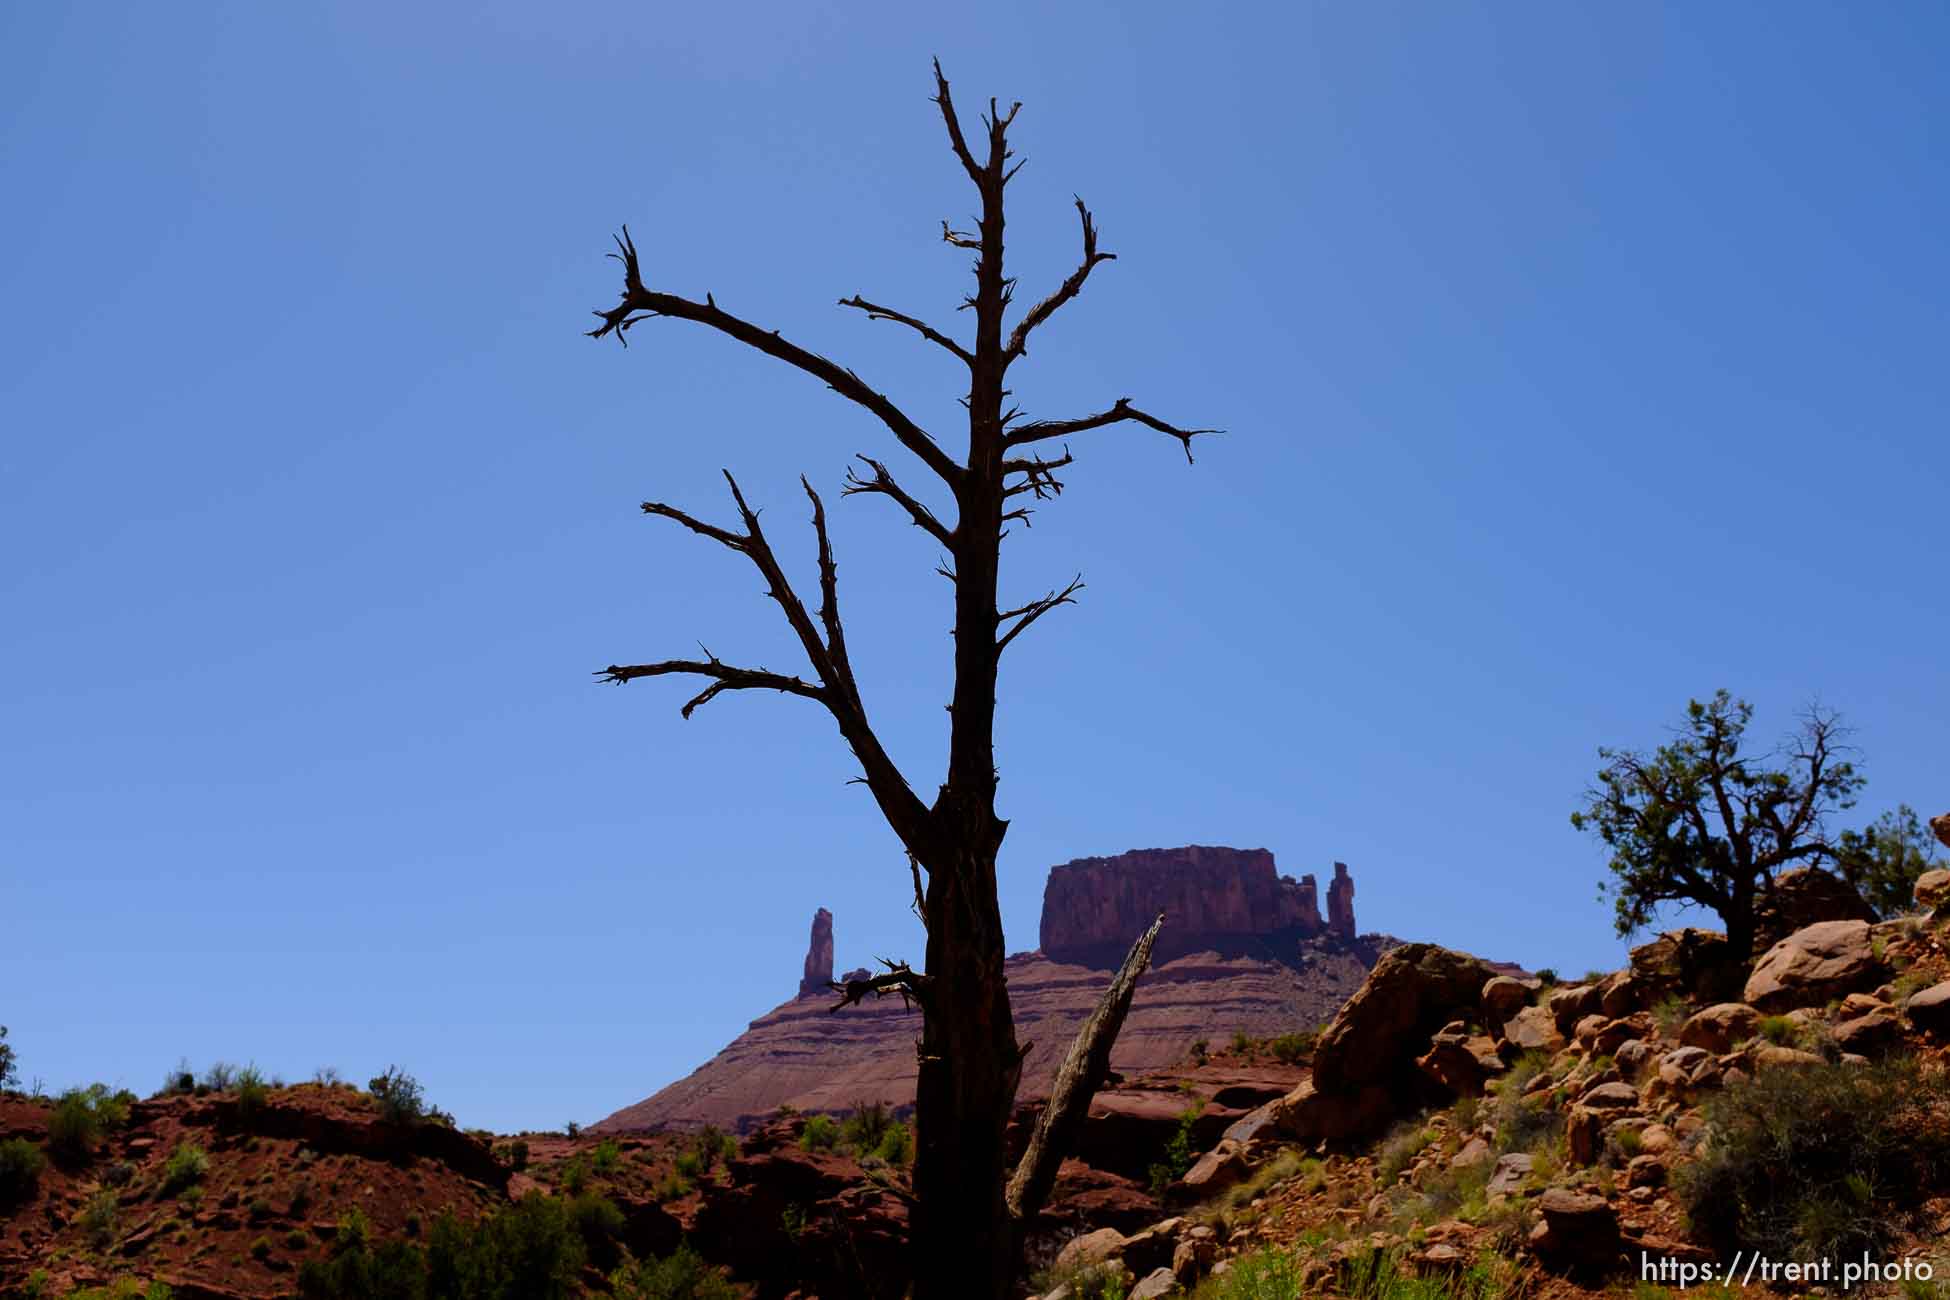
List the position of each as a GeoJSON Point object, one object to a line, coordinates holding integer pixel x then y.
{"type": "Point", "coordinates": [74, 1126]}
{"type": "Point", "coordinates": [1243, 1043]}
{"type": "Point", "coordinates": [689, 1164]}
{"type": "Point", "coordinates": [600, 1225]}
{"type": "Point", "coordinates": [21, 1163]}
{"type": "Point", "coordinates": [219, 1076]}
{"type": "Point", "coordinates": [1779, 1030]}
{"type": "Point", "coordinates": [573, 1176]}
{"type": "Point", "coordinates": [1178, 1151]}
{"type": "Point", "coordinates": [252, 1093]}
{"type": "Point", "coordinates": [1399, 1149]}
{"type": "Point", "coordinates": [327, 1076]}
{"type": "Point", "coordinates": [401, 1099]}
{"type": "Point", "coordinates": [1201, 1049]}
{"type": "Point", "coordinates": [98, 1218]}
{"type": "Point", "coordinates": [180, 1080]}
{"type": "Point", "coordinates": [261, 1248]}
{"type": "Point", "coordinates": [1291, 1047]}
{"type": "Point", "coordinates": [864, 1128]}
{"type": "Point", "coordinates": [1670, 1013]}
{"type": "Point", "coordinates": [1266, 1274]}
{"type": "Point", "coordinates": [683, 1275]}
{"type": "Point", "coordinates": [186, 1166]}
{"type": "Point", "coordinates": [671, 1187]}
{"type": "Point", "coordinates": [1818, 1161]}
{"type": "Point", "coordinates": [605, 1156]}
{"type": "Point", "coordinates": [713, 1144]}
{"type": "Point", "coordinates": [513, 1154]}
{"type": "Point", "coordinates": [896, 1145]}
{"type": "Point", "coordinates": [820, 1134]}
{"type": "Point", "coordinates": [1546, 977]}
{"type": "Point", "coordinates": [126, 1288]}
{"type": "Point", "coordinates": [572, 1130]}
{"type": "Point", "coordinates": [9, 1075]}
{"type": "Point", "coordinates": [1378, 1275]}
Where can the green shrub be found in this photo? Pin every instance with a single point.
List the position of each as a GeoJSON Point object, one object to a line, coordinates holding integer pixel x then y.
{"type": "Point", "coordinates": [572, 1130]}
{"type": "Point", "coordinates": [185, 1168]}
{"type": "Point", "coordinates": [1201, 1050]}
{"type": "Point", "coordinates": [1399, 1149]}
{"type": "Point", "coordinates": [401, 1099]}
{"type": "Point", "coordinates": [573, 1176]}
{"type": "Point", "coordinates": [1779, 1030]}
{"type": "Point", "coordinates": [126, 1288]}
{"type": "Point", "coordinates": [1669, 1014]}
{"type": "Point", "coordinates": [1291, 1047]}
{"type": "Point", "coordinates": [605, 1156]}
{"type": "Point", "coordinates": [1243, 1042]}
{"type": "Point", "coordinates": [21, 1163]}
{"type": "Point", "coordinates": [261, 1248]}
{"type": "Point", "coordinates": [713, 1144]}
{"type": "Point", "coordinates": [1546, 977]}
{"type": "Point", "coordinates": [1177, 1153]}
{"type": "Point", "coordinates": [513, 1154]}
{"type": "Point", "coordinates": [820, 1134]}
{"type": "Point", "coordinates": [98, 1218]}
{"type": "Point", "coordinates": [896, 1144]}
{"type": "Point", "coordinates": [8, 1072]}
{"type": "Point", "coordinates": [689, 1164]}
{"type": "Point", "coordinates": [296, 1239]}
{"type": "Point", "coordinates": [671, 1187]}
{"type": "Point", "coordinates": [683, 1275]}
{"type": "Point", "coordinates": [1266, 1274]}
{"type": "Point", "coordinates": [1818, 1161]}
{"type": "Point", "coordinates": [252, 1093]}
{"type": "Point", "coordinates": [219, 1076]}
{"type": "Point", "coordinates": [74, 1126]}
{"type": "Point", "coordinates": [600, 1225]}
{"type": "Point", "coordinates": [865, 1127]}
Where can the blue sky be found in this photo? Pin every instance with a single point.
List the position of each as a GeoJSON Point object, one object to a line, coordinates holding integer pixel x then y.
{"type": "Point", "coordinates": [1574, 360]}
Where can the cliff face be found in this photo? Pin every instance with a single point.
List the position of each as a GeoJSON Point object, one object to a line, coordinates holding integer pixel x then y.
{"type": "Point", "coordinates": [817, 1061]}
{"type": "Point", "coordinates": [1214, 899]}
{"type": "Point", "coordinates": [1244, 950]}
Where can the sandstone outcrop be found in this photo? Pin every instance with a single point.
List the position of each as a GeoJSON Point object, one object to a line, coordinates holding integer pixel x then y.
{"type": "Point", "coordinates": [1802, 897]}
{"type": "Point", "coordinates": [801, 1054]}
{"type": "Point", "coordinates": [1214, 899]}
{"type": "Point", "coordinates": [1340, 902]}
{"type": "Point", "coordinates": [1814, 964]}
{"type": "Point", "coordinates": [1413, 991]}
{"type": "Point", "coordinates": [819, 956]}
{"type": "Point", "coordinates": [1941, 825]}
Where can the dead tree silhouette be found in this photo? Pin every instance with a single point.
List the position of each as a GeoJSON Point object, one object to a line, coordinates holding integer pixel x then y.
{"type": "Point", "coordinates": [969, 1208]}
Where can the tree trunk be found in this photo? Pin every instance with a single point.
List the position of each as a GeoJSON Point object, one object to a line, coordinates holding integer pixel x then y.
{"type": "Point", "coordinates": [963, 1242]}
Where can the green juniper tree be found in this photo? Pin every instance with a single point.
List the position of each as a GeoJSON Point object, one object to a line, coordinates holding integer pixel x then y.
{"type": "Point", "coordinates": [1701, 820]}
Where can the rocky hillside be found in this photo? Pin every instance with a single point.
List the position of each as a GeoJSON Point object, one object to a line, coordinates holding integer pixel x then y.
{"type": "Point", "coordinates": [1244, 951]}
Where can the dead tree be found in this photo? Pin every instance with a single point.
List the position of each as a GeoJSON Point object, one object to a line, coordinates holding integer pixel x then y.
{"type": "Point", "coordinates": [969, 1211]}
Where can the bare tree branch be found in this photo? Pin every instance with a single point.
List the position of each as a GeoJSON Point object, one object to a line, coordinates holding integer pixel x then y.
{"type": "Point", "coordinates": [899, 978]}
{"type": "Point", "coordinates": [883, 483]}
{"type": "Point", "coordinates": [1040, 476]}
{"type": "Point", "coordinates": [1035, 609]}
{"type": "Point", "coordinates": [953, 122]}
{"type": "Point", "coordinates": [724, 678]}
{"type": "Point", "coordinates": [1077, 1080]}
{"type": "Point", "coordinates": [827, 653]}
{"type": "Point", "coordinates": [1042, 430]}
{"type": "Point", "coordinates": [1042, 311]}
{"type": "Point", "coordinates": [640, 303]}
{"type": "Point", "coordinates": [876, 312]}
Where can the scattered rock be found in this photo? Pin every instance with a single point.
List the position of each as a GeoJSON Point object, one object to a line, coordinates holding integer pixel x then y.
{"type": "Point", "coordinates": [1089, 1250]}
{"type": "Point", "coordinates": [1578, 1231]}
{"type": "Point", "coordinates": [1409, 994]}
{"type": "Point", "coordinates": [1160, 1282]}
{"type": "Point", "coordinates": [1814, 964]}
{"type": "Point", "coordinates": [1610, 1096]}
{"type": "Point", "coordinates": [1222, 1167]}
{"type": "Point", "coordinates": [1691, 963]}
{"type": "Point", "coordinates": [1718, 1027]}
{"type": "Point", "coordinates": [1801, 898]}
{"type": "Point", "coordinates": [1929, 1010]}
{"type": "Point", "coordinates": [1506, 995]}
{"type": "Point", "coordinates": [1533, 1029]}
{"type": "Point", "coordinates": [1507, 1178]}
{"type": "Point", "coordinates": [1933, 887]}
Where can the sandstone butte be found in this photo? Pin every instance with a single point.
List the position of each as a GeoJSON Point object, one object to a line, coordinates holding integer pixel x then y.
{"type": "Point", "coordinates": [1244, 950]}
